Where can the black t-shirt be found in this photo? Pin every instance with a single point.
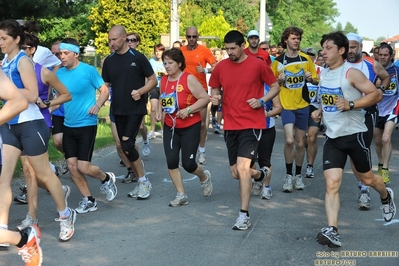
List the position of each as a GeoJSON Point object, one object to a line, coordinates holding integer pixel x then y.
{"type": "Point", "coordinates": [127, 72]}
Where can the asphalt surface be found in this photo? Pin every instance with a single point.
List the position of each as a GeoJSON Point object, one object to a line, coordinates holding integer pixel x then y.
{"type": "Point", "coordinates": [148, 232]}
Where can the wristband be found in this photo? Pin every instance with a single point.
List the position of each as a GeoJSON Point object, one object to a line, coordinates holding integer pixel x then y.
{"type": "Point", "coordinates": [188, 110]}
{"type": "Point", "coordinates": [98, 107]}
{"type": "Point", "coordinates": [261, 101]}
{"type": "Point", "coordinates": [205, 70]}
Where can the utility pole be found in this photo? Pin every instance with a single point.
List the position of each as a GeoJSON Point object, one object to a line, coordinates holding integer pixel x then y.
{"type": "Point", "coordinates": [174, 22]}
{"type": "Point", "coordinates": [262, 21]}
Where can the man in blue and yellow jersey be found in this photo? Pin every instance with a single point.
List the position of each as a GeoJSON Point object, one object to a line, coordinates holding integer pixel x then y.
{"type": "Point", "coordinates": [294, 69]}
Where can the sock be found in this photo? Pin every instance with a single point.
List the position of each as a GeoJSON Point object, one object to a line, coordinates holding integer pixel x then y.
{"type": "Point", "coordinates": [359, 185]}
{"type": "Point", "coordinates": [386, 200]}
{"type": "Point", "coordinates": [106, 178]}
{"type": "Point", "coordinates": [23, 241]}
{"type": "Point", "coordinates": [246, 212]}
{"type": "Point", "coordinates": [143, 178]}
{"type": "Point", "coordinates": [4, 226]}
{"type": "Point", "coordinates": [310, 165]}
{"type": "Point", "coordinates": [267, 187]}
{"type": "Point", "coordinates": [90, 198]}
{"type": "Point", "coordinates": [385, 169]}
{"type": "Point", "coordinates": [380, 165]}
{"type": "Point", "coordinates": [180, 194]}
{"type": "Point", "coordinates": [298, 169]}
{"type": "Point", "coordinates": [65, 213]}
{"type": "Point", "coordinates": [201, 149]}
{"type": "Point", "coordinates": [145, 142]}
{"type": "Point", "coordinates": [336, 229]}
{"type": "Point", "coordinates": [288, 166]}
{"type": "Point", "coordinates": [129, 169]}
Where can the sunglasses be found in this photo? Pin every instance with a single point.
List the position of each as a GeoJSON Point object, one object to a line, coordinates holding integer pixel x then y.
{"type": "Point", "coordinates": [131, 40]}
{"type": "Point", "coordinates": [265, 49]}
{"type": "Point", "coordinates": [191, 36]}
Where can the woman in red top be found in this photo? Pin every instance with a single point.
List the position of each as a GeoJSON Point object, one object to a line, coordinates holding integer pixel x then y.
{"type": "Point", "coordinates": [181, 99]}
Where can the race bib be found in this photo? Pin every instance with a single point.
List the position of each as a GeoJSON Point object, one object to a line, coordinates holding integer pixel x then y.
{"type": "Point", "coordinates": [392, 87]}
{"type": "Point", "coordinates": [294, 80]}
{"type": "Point", "coordinates": [328, 97]}
{"type": "Point", "coordinates": [313, 93]}
{"type": "Point", "coordinates": [169, 102]}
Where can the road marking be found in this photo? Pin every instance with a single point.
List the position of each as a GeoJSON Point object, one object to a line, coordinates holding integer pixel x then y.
{"type": "Point", "coordinates": [168, 180]}
{"type": "Point", "coordinates": [393, 221]}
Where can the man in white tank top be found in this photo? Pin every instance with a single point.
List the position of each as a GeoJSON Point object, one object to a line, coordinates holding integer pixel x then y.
{"type": "Point", "coordinates": [342, 103]}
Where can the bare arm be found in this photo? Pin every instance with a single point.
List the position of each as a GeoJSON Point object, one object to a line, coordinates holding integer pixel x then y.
{"type": "Point", "coordinates": [199, 93]}
{"type": "Point", "coordinates": [16, 102]}
{"type": "Point", "coordinates": [382, 74]}
{"type": "Point", "coordinates": [358, 80]}
{"type": "Point", "coordinates": [151, 82]}
{"type": "Point", "coordinates": [49, 78]}
{"type": "Point", "coordinates": [277, 108]}
{"type": "Point", "coordinates": [28, 77]}
{"type": "Point", "coordinates": [104, 94]}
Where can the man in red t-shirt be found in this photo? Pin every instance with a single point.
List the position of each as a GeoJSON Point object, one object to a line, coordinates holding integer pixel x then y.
{"type": "Point", "coordinates": [242, 78]}
{"type": "Point", "coordinates": [197, 57]}
{"type": "Point", "coordinates": [253, 48]}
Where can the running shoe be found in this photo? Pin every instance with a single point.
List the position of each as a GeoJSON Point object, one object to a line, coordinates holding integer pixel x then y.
{"type": "Point", "coordinates": [364, 200]}
{"type": "Point", "coordinates": [151, 135]}
{"type": "Point", "coordinates": [109, 188]}
{"type": "Point", "coordinates": [389, 209]}
{"type": "Point", "coordinates": [298, 184]}
{"type": "Point", "coordinates": [207, 186]}
{"type": "Point", "coordinates": [243, 222]}
{"type": "Point", "coordinates": [217, 129]}
{"type": "Point", "coordinates": [67, 226]}
{"type": "Point", "coordinates": [385, 176]}
{"type": "Point", "coordinates": [28, 221]}
{"type": "Point", "coordinates": [64, 167]}
{"type": "Point", "coordinates": [134, 192]}
{"type": "Point", "coordinates": [146, 149]}
{"type": "Point", "coordinates": [309, 172]}
{"type": "Point", "coordinates": [31, 252]}
{"type": "Point", "coordinates": [85, 206]}
{"type": "Point", "coordinates": [144, 189]}
{"type": "Point", "coordinates": [129, 178]}
{"type": "Point", "coordinates": [287, 186]}
{"type": "Point", "coordinates": [267, 194]}
{"type": "Point", "coordinates": [257, 186]}
{"type": "Point", "coordinates": [23, 197]}
{"type": "Point", "coordinates": [179, 201]}
{"type": "Point", "coordinates": [201, 158]}
{"type": "Point", "coordinates": [328, 237]}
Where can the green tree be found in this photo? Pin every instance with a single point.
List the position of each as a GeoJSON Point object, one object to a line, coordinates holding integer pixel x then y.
{"type": "Point", "coordinates": [240, 14]}
{"type": "Point", "coordinates": [350, 28]}
{"type": "Point", "coordinates": [191, 15]}
{"type": "Point", "coordinates": [314, 18]}
{"type": "Point", "coordinates": [215, 26]}
{"type": "Point", "coordinates": [148, 18]}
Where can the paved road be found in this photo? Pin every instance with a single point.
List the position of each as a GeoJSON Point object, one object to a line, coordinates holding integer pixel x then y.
{"type": "Point", "coordinates": [148, 232]}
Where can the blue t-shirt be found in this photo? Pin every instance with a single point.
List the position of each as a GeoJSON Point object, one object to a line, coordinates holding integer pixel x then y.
{"type": "Point", "coordinates": [159, 69]}
{"type": "Point", "coordinates": [82, 82]}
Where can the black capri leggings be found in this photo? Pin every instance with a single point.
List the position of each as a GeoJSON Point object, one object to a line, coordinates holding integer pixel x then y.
{"type": "Point", "coordinates": [184, 139]}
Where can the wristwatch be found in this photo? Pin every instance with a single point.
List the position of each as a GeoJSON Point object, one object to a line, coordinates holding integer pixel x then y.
{"type": "Point", "coordinates": [261, 101]}
{"type": "Point", "coordinates": [47, 103]}
{"type": "Point", "coordinates": [351, 105]}
{"type": "Point", "coordinates": [382, 88]}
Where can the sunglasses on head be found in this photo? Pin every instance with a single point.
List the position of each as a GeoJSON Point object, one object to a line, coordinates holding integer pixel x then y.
{"type": "Point", "coordinates": [131, 40]}
{"type": "Point", "coordinates": [191, 36]}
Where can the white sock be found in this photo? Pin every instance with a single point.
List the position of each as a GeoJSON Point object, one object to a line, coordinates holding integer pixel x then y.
{"type": "Point", "coordinates": [201, 149]}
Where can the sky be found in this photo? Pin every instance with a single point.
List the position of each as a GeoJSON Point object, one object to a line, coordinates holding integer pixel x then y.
{"type": "Point", "coordinates": [373, 18]}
